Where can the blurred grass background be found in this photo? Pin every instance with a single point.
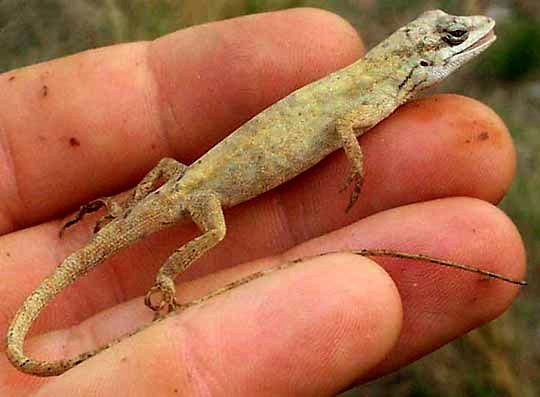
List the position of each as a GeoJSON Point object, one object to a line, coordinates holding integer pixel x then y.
{"type": "Point", "coordinates": [500, 359]}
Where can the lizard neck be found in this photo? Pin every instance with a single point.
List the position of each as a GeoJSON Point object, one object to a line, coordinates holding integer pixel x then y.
{"type": "Point", "coordinates": [391, 74]}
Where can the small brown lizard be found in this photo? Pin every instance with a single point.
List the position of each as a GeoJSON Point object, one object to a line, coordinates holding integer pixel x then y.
{"type": "Point", "coordinates": [276, 145]}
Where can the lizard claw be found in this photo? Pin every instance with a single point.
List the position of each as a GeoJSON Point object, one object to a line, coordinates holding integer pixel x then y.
{"type": "Point", "coordinates": [148, 299]}
{"type": "Point", "coordinates": [92, 206]}
{"type": "Point", "coordinates": [358, 180]}
{"type": "Point", "coordinates": [113, 210]}
{"type": "Point", "coordinates": [347, 183]}
{"type": "Point", "coordinates": [167, 300]}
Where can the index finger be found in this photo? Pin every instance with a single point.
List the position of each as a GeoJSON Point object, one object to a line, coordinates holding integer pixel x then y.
{"type": "Point", "coordinates": [92, 124]}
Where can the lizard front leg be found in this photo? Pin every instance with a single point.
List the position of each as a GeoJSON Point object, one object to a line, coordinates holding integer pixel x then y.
{"type": "Point", "coordinates": [349, 127]}
{"type": "Point", "coordinates": [166, 169]}
{"type": "Point", "coordinates": [206, 212]}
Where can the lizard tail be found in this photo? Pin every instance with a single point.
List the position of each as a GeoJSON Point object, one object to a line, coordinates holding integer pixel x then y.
{"type": "Point", "coordinates": [74, 266]}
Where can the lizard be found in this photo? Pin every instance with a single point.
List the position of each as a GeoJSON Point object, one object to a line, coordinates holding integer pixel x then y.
{"type": "Point", "coordinates": [276, 145]}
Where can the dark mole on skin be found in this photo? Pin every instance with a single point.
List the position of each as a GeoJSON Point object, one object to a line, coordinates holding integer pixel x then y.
{"type": "Point", "coordinates": [483, 136]}
{"type": "Point", "coordinates": [74, 142]}
{"type": "Point", "coordinates": [44, 90]}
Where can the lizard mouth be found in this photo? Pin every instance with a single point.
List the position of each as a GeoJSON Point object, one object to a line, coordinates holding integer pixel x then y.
{"type": "Point", "coordinates": [479, 45]}
{"type": "Point", "coordinates": [485, 39]}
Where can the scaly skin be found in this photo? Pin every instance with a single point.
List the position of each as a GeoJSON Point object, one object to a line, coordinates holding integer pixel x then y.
{"type": "Point", "coordinates": [279, 143]}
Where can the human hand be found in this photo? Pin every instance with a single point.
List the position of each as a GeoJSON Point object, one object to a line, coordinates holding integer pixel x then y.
{"type": "Point", "coordinates": [107, 116]}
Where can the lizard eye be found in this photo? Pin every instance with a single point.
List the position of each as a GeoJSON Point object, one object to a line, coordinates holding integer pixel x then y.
{"type": "Point", "coordinates": [455, 35]}
{"type": "Point", "coordinates": [424, 63]}
{"type": "Point", "coordinates": [458, 33]}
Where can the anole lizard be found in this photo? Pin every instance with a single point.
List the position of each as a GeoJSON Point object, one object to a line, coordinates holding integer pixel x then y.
{"type": "Point", "coordinates": [279, 143]}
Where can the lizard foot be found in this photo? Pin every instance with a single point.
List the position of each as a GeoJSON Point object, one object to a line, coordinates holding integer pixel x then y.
{"type": "Point", "coordinates": [113, 210]}
{"type": "Point", "coordinates": [358, 180]}
{"type": "Point", "coordinates": [167, 300]}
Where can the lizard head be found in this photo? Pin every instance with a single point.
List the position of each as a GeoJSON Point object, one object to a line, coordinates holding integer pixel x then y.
{"type": "Point", "coordinates": [435, 44]}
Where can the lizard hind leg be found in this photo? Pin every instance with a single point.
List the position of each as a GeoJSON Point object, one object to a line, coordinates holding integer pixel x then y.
{"type": "Point", "coordinates": [166, 169]}
{"type": "Point", "coordinates": [206, 212]}
{"type": "Point", "coordinates": [112, 207]}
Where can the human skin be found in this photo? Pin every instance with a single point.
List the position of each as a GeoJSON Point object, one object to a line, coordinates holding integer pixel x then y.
{"type": "Point", "coordinates": [108, 116]}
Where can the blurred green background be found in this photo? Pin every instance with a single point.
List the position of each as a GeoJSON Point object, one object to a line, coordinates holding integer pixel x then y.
{"type": "Point", "coordinates": [500, 359]}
